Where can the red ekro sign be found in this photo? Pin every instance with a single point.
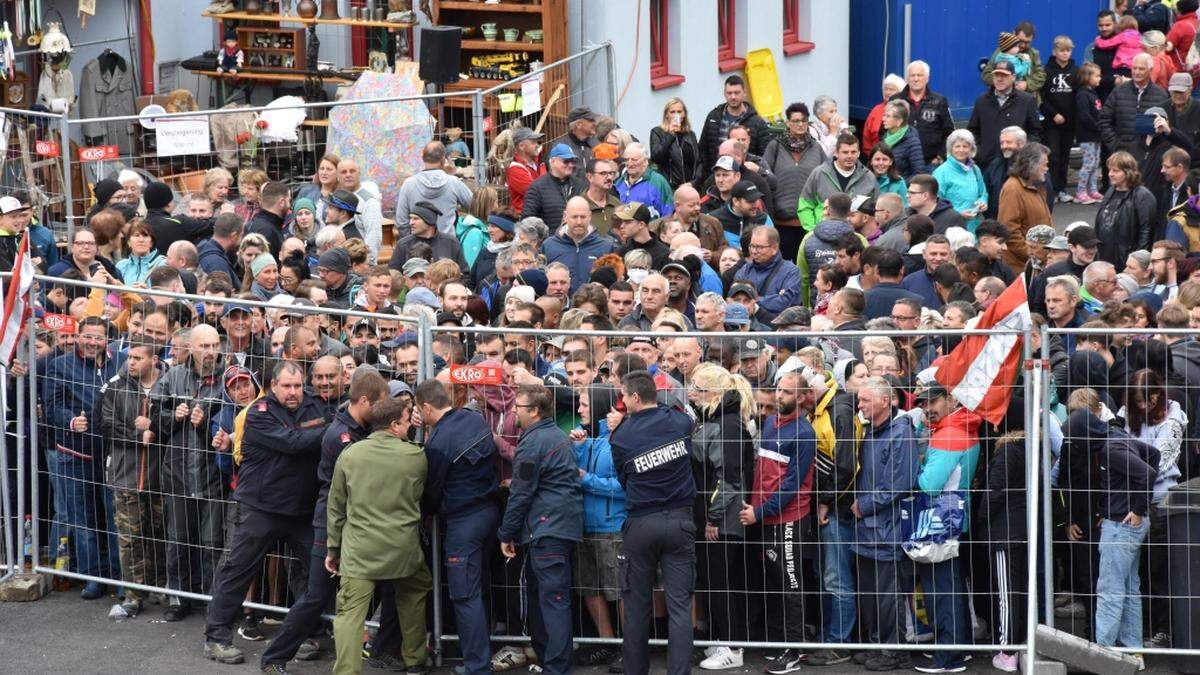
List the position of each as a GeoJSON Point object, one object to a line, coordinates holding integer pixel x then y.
{"type": "Point", "coordinates": [476, 375]}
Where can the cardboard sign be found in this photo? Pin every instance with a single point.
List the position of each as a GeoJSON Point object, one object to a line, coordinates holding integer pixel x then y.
{"type": "Point", "coordinates": [46, 148]}
{"type": "Point", "coordinates": [531, 96]}
{"type": "Point", "coordinates": [476, 375]}
{"type": "Point", "coordinates": [62, 323]}
{"type": "Point", "coordinates": [98, 153]}
{"type": "Point", "coordinates": [182, 136]}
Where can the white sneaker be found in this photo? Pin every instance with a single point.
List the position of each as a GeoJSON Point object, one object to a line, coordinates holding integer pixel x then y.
{"type": "Point", "coordinates": [709, 651]}
{"type": "Point", "coordinates": [1005, 662]}
{"type": "Point", "coordinates": [723, 659]}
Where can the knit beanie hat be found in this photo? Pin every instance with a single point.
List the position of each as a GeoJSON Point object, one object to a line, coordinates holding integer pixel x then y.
{"type": "Point", "coordinates": [302, 204]}
{"type": "Point", "coordinates": [1008, 41]}
{"type": "Point", "coordinates": [105, 189]}
{"type": "Point", "coordinates": [261, 262]}
{"type": "Point", "coordinates": [157, 196]}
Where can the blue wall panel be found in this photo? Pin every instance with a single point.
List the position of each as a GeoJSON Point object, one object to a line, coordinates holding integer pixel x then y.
{"type": "Point", "coordinates": [952, 36]}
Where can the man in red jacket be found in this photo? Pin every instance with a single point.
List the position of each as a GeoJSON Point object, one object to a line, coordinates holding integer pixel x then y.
{"type": "Point", "coordinates": [781, 501]}
{"type": "Point", "coordinates": [525, 167]}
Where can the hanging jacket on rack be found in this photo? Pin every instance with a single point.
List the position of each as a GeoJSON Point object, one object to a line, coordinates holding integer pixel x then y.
{"type": "Point", "coordinates": [106, 90]}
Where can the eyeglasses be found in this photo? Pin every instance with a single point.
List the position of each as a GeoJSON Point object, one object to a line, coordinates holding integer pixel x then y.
{"type": "Point", "coordinates": [759, 247]}
{"type": "Point", "coordinates": [85, 243]}
{"type": "Point", "coordinates": [524, 405]}
{"type": "Point", "coordinates": [604, 173]}
{"type": "Point", "coordinates": [904, 318]}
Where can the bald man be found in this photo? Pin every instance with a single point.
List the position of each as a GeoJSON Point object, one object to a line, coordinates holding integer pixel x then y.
{"type": "Point", "coordinates": [688, 213]}
{"type": "Point", "coordinates": [195, 491]}
{"type": "Point", "coordinates": [327, 378]}
{"type": "Point", "coordinates": [370, 204]}
{"type": "Point", "coordinates": [577, 244]}
{"type": "Point", "coordinates": [432, 184]}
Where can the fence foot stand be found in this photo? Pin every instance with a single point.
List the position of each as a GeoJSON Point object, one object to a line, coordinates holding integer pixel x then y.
{"type": "Point", "coordinates": [25, 587]}
{"type": "Point", "coordinates": [1042, 667]}
{"type": "Point", "coordinates": [1079, 654]}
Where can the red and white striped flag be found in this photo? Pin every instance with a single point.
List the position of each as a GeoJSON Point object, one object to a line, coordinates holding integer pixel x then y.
{"type": "Point", "coordinates": [981, 370]}
{"type": "Point", "coordinates": [16, 303]}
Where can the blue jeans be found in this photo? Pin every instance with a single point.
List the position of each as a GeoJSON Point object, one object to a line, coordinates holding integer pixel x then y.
{"type": "Point", "coordinates": [946, 597]}
{"type": "Point", "coordinates": [1118, 605]}
{"type": "Point", "coordinates": [837, 576]}
{"type": "Point", "coordinates": [78, 486]}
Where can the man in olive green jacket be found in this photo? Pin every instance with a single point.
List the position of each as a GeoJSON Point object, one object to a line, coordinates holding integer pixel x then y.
{"type": "Point", "coordinates": [374, 512]}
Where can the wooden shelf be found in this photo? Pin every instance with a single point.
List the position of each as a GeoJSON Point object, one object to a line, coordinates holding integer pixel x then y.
{"type": "Point", "coordinates": [517, 8]}
{"type": "Point", "coordinates": [269, 77]}
{"type": "Point", "coordinates": [278, 50]}
{"type": "Point", "coordinates": [277, 18]}
{"type": "Point", "coordinates": [502, 46]}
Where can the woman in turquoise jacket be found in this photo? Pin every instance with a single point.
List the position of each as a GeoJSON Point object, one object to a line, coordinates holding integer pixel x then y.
{"type": "Point", "coordinates": [603, 497]}
{"type": "Point", "coordinates": [960, 181]}
{"type": "Point", "coordinates": [143, 257]}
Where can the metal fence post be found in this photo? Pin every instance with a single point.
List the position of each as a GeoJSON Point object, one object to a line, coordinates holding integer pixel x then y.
{"type": "Point", "coordinates": [610, 59]}
{"type": "Point", "coordinates": [424, 372]}
{"type": "Point", "coordinates": [31, 401]}
{"type": "Point", "coordinates": [480, 138]}
{"type": "Point", "coordinates": [64, 126]}
{"type": "Point", "coordinates": [1046, 503]}
{"type": "Point", "coordinates": [1033, 391]}
{"type": "Point", "coordinates": [5, 515]}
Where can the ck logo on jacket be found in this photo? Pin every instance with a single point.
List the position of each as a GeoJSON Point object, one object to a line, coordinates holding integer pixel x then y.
{"type": "Point", "coordinates": [660, 456]}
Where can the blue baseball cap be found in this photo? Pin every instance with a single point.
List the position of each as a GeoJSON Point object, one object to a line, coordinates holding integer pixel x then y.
{"type": "Point", "coordinates": [232, 307]}
{"type": "Point", "coordinates": [563, 151]}
{"type": "Point", "coordinates": [401, 339]}
{"type": "Point", "coordinates": [736, 314]}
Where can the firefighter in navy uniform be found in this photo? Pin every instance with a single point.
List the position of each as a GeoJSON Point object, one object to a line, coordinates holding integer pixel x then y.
{"type": "Point", "coordinates": [651, 449]}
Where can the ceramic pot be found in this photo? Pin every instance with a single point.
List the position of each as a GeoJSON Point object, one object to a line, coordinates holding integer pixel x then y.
{"type": "Point", "coordinates": [306, 9]}
{"type": "Point", "coordinates": [329, 9]}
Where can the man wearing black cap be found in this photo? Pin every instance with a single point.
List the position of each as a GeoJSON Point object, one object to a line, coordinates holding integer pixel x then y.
{"type": "Point", "coordinates": [547, 196]}
{"type": "Point", "coordinates": [999, 107]}
{"type": "Point", "coordinates": [681, 292]}
{"type": "Point", "coordinates": [524, 167]}
{"type": "Point", "coordinates": [334, 269]}
{"type": "Point", "coordinates": [632, 225]}
{"type": "Point", "coordinates": [581, 125]}
{"type": "Point", "coordinates": [1083, 245]}
{"type": "Point", "coordinates": [169, 229]}
{"type": "Point", "coordinates": [275, 201]}
{"type": "Point", "coordinates": [742, 214]}
{"type": "Point", "coordinates": [341, 210]}
{"type": "Point", "coordinates": [422, 222]}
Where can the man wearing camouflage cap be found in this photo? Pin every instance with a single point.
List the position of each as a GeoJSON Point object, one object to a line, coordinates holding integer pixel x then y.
{"type": "Point", "coordinates": [1037, 239]}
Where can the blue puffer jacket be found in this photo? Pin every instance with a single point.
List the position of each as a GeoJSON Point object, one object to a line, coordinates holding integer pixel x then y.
{"type": "Point", "coordinates": [910, 156]}
{"type": "Point", "coordinates": [578, 257]}
{"type": "Point", "coordinates": [887, 474]}
{"type": "Point", "coordinates": [603, 496]}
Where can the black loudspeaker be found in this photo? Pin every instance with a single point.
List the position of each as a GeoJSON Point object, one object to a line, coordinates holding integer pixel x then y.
{"type": "Point", "coordinates": [441, 52]}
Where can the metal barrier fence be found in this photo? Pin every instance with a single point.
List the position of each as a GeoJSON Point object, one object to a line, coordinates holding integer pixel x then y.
{"type": "Point", "coordinates": [744, 599]}
{"type": "Point", "coordinates": [34, 147]}
{"type": "Point", "coordinates": [558, 87]}
{"type": "Point", "coordinates": [1142, 569]}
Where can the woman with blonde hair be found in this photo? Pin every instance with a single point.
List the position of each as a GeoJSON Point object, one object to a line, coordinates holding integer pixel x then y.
{"type": "Point", "coordinates": [217, 182]}
{"type": "Point", "coordinates": [673, 146]}
{"type": "Point", "coordinates": [251, 246]}
{"type": "Point", "coordinates": [723, 459]}
{"type": "Point", "coordinates": [249, 182]}
{"type": "Point", "coordinates": [472, 226]}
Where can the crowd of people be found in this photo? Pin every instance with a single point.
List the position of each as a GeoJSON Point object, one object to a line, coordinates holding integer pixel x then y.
{"type": "Point", "coordinates": [723, 486]}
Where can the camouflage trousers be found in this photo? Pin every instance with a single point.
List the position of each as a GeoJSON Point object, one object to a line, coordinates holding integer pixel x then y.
{"type": "Point", "coordinates": [141, 533]}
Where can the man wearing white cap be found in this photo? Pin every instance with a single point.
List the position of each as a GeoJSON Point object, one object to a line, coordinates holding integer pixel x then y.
{"type": "Point", "coordinates": [11, 225]}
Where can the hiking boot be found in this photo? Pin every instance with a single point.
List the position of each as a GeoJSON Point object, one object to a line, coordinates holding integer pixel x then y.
{"type": "Point", "coordinates": [885, 662]}
{"type": "Point", "coordinates": [220, 653]}
{"type": "Point", "coordinates": [831, 657]}
{"type": "Point", "coordinates": [309, 650]}
{"type": "Point", "coordinates": [861, 658]}
{"type": "Point", "coordinates": [92, 590]}
{"type": "Point", "coordinates": [250, 630]}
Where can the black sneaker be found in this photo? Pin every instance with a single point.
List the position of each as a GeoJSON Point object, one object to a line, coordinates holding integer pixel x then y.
{"type": "Point", "coordinates": [250, 630]}
{"type": "Point", "coordinates": [386, 662]}
{"type": "Point", "coordinates": [421, 669]}
{"type": "Point", "coordinates": [886, 662]}
{"type": "Point", "coordinates": [177, 612]}
{"type": "Point", "coordinates": [861, 658]}
{"type": "Point", "coordinates": [274, 669]}
{"type": "Point", "coordinates": [617, 667]}
{"type": "Point", "coordinates": [1161, 640]}
{"type": "Point", "coordinates": [787, 661]}
{"type": "Point", "coordinates": [596, 656]}
{"type": "Point", "coordinates": [831, 657]}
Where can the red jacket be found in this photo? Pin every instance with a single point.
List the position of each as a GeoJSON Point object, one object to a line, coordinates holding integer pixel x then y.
{"type": "Point", "coordinates": [518, 176]}
{"type": "Point", "coordinates": [1181, 35]}
{"type": "Point", "coordinates": [783, 471]}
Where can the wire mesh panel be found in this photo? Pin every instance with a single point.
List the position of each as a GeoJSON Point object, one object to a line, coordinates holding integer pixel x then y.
{"type": "Point", "coordinates": [832, 504]}
{"type": "Point", "coordinates": [1122, 430]}
{"type": "Point", "coordinates": [140, 437]}
{"type": "Point", "coordinates": [542, 100]}
{"type": "Point", "coordinates": [34, 152]}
